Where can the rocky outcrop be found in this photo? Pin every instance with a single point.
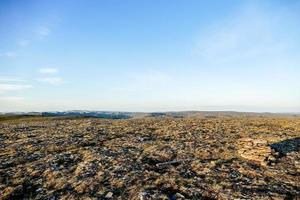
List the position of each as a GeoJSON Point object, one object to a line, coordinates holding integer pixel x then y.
{"type": "Point", "coordinates": [255, 150]}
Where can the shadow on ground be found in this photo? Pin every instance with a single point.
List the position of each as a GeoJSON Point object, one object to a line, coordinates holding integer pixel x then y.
{"type": "Point", "coordinates": [287, 146]}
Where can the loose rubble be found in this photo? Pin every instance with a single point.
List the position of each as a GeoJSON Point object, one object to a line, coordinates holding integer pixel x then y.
{"type": "Point", "coordinates": [150, 158]}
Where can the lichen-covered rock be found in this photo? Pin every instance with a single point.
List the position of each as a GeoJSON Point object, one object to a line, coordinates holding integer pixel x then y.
{"type": "Point", "coordinates": [255, 150]}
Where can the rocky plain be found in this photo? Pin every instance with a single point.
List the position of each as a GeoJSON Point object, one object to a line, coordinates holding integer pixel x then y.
{"type": "Point", "coordinates": [156, 157]}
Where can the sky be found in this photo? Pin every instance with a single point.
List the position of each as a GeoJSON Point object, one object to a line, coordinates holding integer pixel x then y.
{"type": "Point", "coordinates": [150, 55]}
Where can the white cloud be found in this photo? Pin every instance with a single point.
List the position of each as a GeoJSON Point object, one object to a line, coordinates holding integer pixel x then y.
{"type": "Point", "coordinates": [11, 79]}
{"type": "Point", "coordinates": [8, 54]}
{"type": "Point", "coordinates": [51, 80]}
{"type": "Point", "coordinates": [43, 31]}
{"type": "Point", "coordinates": [48, 70]}
{"type": "Point", "coordinates": [7, 87]}
{"type": "Point", "coordinates": [11, 98]}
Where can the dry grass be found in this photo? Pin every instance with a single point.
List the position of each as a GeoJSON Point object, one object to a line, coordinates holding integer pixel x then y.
{"type": "Point", "coordinates": [59, 158]}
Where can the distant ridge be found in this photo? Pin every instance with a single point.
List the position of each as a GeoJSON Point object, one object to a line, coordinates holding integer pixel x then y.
{"type": "Point", "coordinates": [128, 115]}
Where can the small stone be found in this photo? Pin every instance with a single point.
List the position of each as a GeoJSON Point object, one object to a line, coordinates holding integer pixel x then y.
{"type": "Point", "coordinates": [143, 195]}
{"type": "Point", "coordinates": [109, 195]}
{"type": "Point", "coordinates": [179, 196]}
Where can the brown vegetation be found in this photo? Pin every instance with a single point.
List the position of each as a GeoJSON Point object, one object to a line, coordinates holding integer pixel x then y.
{"type": "Point", "coordinates": [150, 158]}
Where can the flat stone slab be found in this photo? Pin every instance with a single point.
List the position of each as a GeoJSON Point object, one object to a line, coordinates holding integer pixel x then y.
{"type": "Point", "coordinates": [255, 150]}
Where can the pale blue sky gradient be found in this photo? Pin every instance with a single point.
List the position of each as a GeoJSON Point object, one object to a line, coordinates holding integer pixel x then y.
{"type": "Point", "coordinates": [142, 55]}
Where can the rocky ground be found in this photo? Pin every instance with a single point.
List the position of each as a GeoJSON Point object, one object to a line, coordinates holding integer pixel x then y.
{"type": "Point", "coordinates": [150, 158]}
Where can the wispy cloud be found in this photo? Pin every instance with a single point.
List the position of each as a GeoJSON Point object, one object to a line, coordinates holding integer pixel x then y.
{"type": "Point", "coordinates": [51, 80]}
{"type": "Point", "coordinates": [8, 54]}
{"type": "Point", "coordinates": [48, 70]}
{"type": "Point", "coordinates": [43, 31]}
{"type": "Point", "coordinates": [11, 85]}
{"type": "Point", "coordinates": [250, 33]}
{"type": "Point", "coordinates": [8, 87]}
{"type": "Point", "coordinates": [11, 98]}
{"type": "Point", "coordinates": [49, 76]}
{"type": "Point", "coordinates": [150, 80]}
{"type": "Point", "coordinates": [23, 42]}
{"type": "Point", "coordinates": [11, 79]}
{"type": "Point", "coordinates": [40, 33]}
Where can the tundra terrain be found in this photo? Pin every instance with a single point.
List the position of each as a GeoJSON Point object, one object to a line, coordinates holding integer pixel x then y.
{"type": "Point", "coordinates": [155, 157]}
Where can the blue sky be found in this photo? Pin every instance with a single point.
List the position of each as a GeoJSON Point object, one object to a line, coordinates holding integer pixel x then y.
{"type": "Point", "coordinates": [142, 55]}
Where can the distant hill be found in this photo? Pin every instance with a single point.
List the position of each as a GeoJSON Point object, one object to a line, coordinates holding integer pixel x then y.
{"type": "Point", "coordinates": [128, 115]}
{"type": "Point", "coordinates": [96, 114]}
